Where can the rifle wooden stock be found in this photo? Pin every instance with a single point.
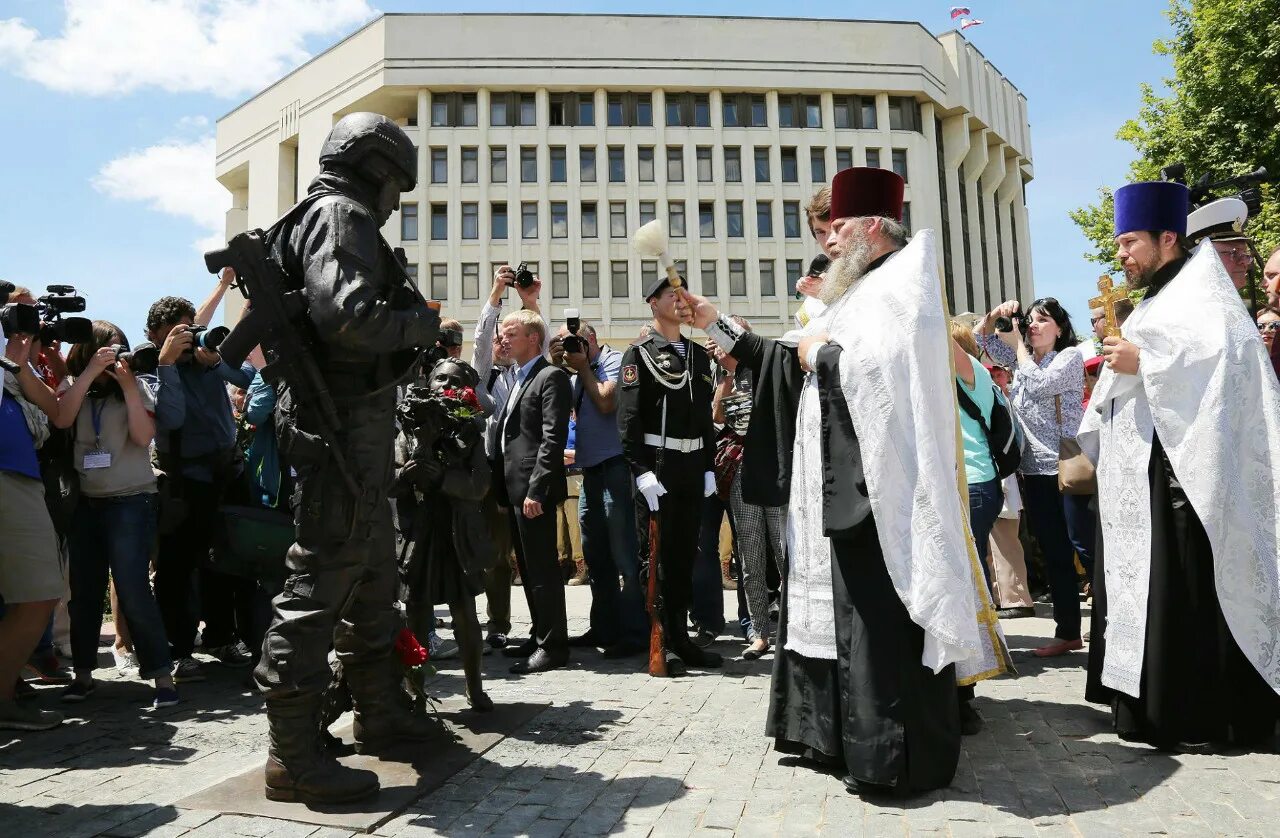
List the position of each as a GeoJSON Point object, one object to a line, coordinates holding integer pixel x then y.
{"type": "Point", "coordinates": [657, 643]}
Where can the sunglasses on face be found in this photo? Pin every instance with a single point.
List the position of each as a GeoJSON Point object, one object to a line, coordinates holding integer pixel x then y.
{"type": "Point", "coordinates": [1238, 254]}
{"type": "Point", "coordinates": [1270, 326]}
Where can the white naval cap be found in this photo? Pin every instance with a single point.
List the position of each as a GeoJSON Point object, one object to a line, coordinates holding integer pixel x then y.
{"type": "Point", "coordinates": [1220, 220]}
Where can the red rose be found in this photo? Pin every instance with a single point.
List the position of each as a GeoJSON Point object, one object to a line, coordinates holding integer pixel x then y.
{"type": "Point", "coordinates": [469, 398]}
{"type": "Point", "coordinates": [409, 650]}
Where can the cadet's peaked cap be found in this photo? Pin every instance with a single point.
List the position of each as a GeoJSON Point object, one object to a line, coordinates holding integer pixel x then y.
{"type": "Point", "coordinates": [861, 191]}
{"type": "Point", "coordinates": [1221, 220]}
{"type": "Point", "coordinates": [655, 287]}
{"type": "Point", "coordinates": [1152, 205]}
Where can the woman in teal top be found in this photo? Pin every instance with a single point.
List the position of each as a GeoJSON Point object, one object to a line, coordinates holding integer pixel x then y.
{"type": "Point", "coordinates": [986, 494]}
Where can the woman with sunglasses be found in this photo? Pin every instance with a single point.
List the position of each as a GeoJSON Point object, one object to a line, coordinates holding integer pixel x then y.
{"type": "Point", "coordinates": [1047, 395]}
{"type": "Point", "coordinates": [1268, 325]}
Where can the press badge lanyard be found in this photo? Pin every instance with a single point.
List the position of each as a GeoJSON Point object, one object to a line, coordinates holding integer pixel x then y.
{"type": "Point", "coordinates": [97, 458]}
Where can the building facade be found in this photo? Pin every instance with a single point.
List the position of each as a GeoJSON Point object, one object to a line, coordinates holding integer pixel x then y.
{"type": "Point", "coordinates": [548, 139]}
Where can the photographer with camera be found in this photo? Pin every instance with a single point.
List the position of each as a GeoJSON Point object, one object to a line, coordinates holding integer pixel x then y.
{"type": "Point", "coordinates": [195, 442]}
{"type": "Point", "coordinates": [449, 344]}
{"type": "Point", "coordinates": [112, 414]}
{"type": "Point", "coordinates": [1047, 395]}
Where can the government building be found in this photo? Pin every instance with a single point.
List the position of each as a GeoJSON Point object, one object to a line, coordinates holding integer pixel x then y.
{"type": "Point", "coordinates": [548, 139]}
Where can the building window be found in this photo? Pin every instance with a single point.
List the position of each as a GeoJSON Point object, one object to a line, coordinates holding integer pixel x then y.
{"type": "Point", "coordinates": [529, 220]}
{"type": "Point", "coordinates": [644, 161]}
{"type": "Point", "coordinates": [470, 165]}
{"type": "Point", "coordinates": [528, 164]}
{"type": "Point", "coordinates": [559, 280]}
{"type": "Point", "coordinates": [844, 159]}
{"type": "Point", "coordinates": [559, 165]}
{"type": "Point", "coordinates": [675, 164]}
{"type": "Point", "coordinates": [498, 221]}
{"type": "Point", "coordinates": [737, 278]}
{"type": "Point", "coordinates": [675, 219]}
{"type": "Point", "coordinates": [796, 111]}
{"type": "Point", "coordinates": [899, 157]}
{"type": "Point", "coordinates": [707, 276]}
{"type": "Point", "coordinates": [855, 111]}
{"type": "Point", "coordinates": [470, 281]}
{"type": "Point", "coordinates": [439, 165]}
{"type": "Point", "coordinates": [733, 219]}
{"type": "Point", "coordinates": [768, 288]}
{"type": "Point", "coordinates": [453, 110]}
{"type": "Point", "coordinates": [648, 275]}
{"type": "Point", "coordinates": [408, 222]}
{"type": "Point", "coordinates": [499, 107]}
{"type": "Point", "coordinates": [762, 165]}
{"type": "Point", "coordinates": [497, 164]}
{"type": "Point", "coordinates": [747, 110]}
{"type": "Point", "coordinates": [617, 164]}
{"type": "Point", "coordinates": [764, 219]}
{"type": "Point", "coordinates": [618, 219]}
{"type": "Point", "coordinates": [559, 219]}
{"type": "Point", "coordinates": [439, 282]}
{"type": "Point", "coordinates": [818, 165]}
{"type": "Point", "coordinates": [703, 158]}
{"type": "Point", "coordinates": [508, 109]}
{"type": "Point", "coordinates": [470, 221]}
{"type": "Point", "coordinates": [630, 110]}
{"type": "Point", "coordinates": [795, 267]}
{"type": "Point", "coordinates": [790, 166]}
{"type": "Point", "coordinates": [873, 158]}
{"type": "Point", "coordinates": [791, 219]}
{"type": "Point", "coordinates": [733, 164]}
{"type": "Point", "coordinates": [439, 222]}
{"type": "Point", "coordinates": [590, 280]}
{"type": "Point", "coordinates": [648, 212]}
{"type": "Point", "coordinates": [688, 110]}
{"type": "Point", "coordinates": [587, 164]}
{"type": "Point", "coordinates": [590, 222]}
{"type": "Point", "coordinates": [904, 114]}
{"type": "Point", "coordinates": [707, 219]}
{"type": "Point", "coordinates": [619, 281]}
{"type": "Point", "coordinates": [571, 109]}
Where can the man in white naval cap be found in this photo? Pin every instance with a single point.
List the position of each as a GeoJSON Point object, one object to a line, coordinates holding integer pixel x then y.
{"type": "Point", "coordinates": [1222, 222]}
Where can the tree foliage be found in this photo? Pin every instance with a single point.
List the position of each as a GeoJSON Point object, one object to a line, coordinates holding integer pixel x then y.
{"type": "Point", "coordinates": [1221, 114]}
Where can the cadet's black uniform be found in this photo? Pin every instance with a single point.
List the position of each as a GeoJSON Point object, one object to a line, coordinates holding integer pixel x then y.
{"type": "Point", "coordinates": [664, 416]}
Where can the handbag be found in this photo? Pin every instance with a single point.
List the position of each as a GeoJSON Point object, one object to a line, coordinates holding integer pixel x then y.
{"type": "Point", "coordinates": [253, 543]}
{"type": "Point", "coordinates": [1076, 475]}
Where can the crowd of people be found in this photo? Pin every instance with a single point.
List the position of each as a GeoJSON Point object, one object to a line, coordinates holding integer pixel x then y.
{"type": "Point", "coordinates": [779, 468]}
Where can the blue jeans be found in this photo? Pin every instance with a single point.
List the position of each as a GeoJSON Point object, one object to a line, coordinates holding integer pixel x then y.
{"type": "Point", "coordinates": [1080, 528]}
{"type": "Point", "coordinates": [1047, 519]}
{"type": "Point", "coordinates": [606, 517]}
{"type": "Point", "coordinates": [706, 607]}
{"type": "Point", "coordinates": [116, 534]}
{"type": "Point", "coordinates": [985, 502]}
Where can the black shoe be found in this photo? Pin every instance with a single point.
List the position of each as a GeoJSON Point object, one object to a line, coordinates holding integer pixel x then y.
{"type": "Point", "coordinates": [496, 640]}
{"type": "Point", "coordinates": [1015, 613]}
{"type": "Point", "coordinates": [675, 666]}
{"type": "Point", "coordinates": [970, 722]}
{"type": "Point", "coordinates": [586, 640]}
{"type": "Point", "coordinates": [701, 658]}
{"type": "Point", "coordinates": [704, 638]}
{"type": "Point", "coordinates": [524, 650]}
{"type": "Point", "coordinates": [623, 649]}
{"type": "Point", "coordinates": [540, 661]}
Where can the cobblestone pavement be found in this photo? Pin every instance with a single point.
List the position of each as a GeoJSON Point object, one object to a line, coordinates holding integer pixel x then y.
{"type": "Point", "coordinates": [621, 752]}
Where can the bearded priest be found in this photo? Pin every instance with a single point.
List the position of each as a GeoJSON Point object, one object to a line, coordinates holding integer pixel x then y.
{"type": "Point", "coordinates": [854, 428]}
{"type": "Point", "coordinates": [1184, 425]}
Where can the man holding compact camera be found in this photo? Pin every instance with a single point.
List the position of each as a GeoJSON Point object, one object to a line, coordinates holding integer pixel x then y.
{"type": "Point", "coordinates": [195, 441]}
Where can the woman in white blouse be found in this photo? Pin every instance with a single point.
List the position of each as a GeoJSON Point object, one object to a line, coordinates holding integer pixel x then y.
{"type": "Point", "coordinates": [1048, 397]}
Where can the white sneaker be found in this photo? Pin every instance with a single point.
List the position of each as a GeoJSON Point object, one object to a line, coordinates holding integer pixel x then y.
{"type": "Point", "coordinates": [440, 649]}
{"type": "Point", "coordinates": [126, 661]}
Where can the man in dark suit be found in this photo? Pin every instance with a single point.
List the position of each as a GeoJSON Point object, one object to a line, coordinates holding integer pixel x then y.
{"type": "Point", "coordinates": [533, 426]}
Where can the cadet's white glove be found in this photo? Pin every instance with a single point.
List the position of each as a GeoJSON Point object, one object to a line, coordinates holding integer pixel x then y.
{"type": "Point", "coordinates": [649, 486]}
{"type": "Point", "coordinates": [708, 484]}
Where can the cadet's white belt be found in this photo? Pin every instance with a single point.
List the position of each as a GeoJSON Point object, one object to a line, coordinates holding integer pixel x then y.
{"type": "Point", "coordinates": [684, 446]}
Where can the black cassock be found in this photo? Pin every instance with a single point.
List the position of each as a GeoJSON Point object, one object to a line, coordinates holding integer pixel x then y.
{"type": "Point", "coordinates": [876, 710]}
{"type": "Point", "coordinates": [1197, 685]}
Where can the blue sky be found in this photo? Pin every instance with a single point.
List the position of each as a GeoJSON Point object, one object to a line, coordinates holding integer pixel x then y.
{"type": "Point", "coordinates": [111, 104]}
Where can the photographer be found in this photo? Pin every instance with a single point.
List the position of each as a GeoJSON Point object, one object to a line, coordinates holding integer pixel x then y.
{"type": "Point", "coordinates": [31, 579]}
{"type": "Point", "coordinates": [195, 441]}
{"type": "Point", "coordinates": [112, 414]}
{"type": "Point", "coordinates": [450, 340]}
{"type": "Point", "coordinates": [606, 506]}
{"type": "Point", "coordinates": [1047, 395]}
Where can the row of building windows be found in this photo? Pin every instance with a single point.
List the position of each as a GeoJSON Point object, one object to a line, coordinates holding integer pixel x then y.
{"type": "Point", "coordinates": [646, 163]}
{"type": "Point", "coordinates": [683, 110]}
{"type": "Point", "coordinates": [619, 278]}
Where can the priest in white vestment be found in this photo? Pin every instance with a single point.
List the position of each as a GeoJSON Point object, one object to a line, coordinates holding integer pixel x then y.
{"type": "Point", "coordinates": [1184, 425]}
{"type": "Point", "coordinates": [884, 610]}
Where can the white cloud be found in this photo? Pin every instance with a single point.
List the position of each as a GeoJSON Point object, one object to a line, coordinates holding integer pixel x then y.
{"type": "Point", "coordinates": [223, 47]}
{"type": "Point", "coordinates": [175, 178]}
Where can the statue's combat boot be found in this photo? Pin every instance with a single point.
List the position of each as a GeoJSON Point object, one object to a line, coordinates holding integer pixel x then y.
{"type": "Point", "coordinates": [299, 767]}
{"type": "Point", "coordinates": [385, 714]}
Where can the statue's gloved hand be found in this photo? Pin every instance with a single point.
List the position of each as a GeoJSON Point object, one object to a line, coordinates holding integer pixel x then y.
{"type": "Point", "coordinates": [652, 490]}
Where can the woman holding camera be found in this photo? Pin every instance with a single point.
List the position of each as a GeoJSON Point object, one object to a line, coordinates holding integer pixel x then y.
{"type": "Point", "coordinates": [1047, 396]}
{"type": "Point", "coordinates": [112, 413]}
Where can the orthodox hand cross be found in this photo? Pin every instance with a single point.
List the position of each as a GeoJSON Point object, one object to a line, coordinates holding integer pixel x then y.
{"type": "Point", "coordinates": [1109, 295]}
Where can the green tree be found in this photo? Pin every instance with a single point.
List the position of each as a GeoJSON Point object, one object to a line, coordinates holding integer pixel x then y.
{"type": "Point", "coordinates": [1221, 114]}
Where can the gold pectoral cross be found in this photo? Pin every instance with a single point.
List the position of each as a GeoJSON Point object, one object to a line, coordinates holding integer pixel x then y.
{"type": "Point", "coordinates": [1109, 295]}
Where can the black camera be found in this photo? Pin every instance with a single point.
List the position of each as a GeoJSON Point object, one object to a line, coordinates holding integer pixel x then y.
{"type": "Point", "coordinates": [1206, 189]}
{"type": "Point", "coordinates": [6, 288]}
{"type": "Point", "coordinates": [143, 359]}
{"type": "Point", "coordinates": [45, 319]}
{"type": "Point", "coordinates": [573, 343]}
{"type": "Point", "coordinates": [524, 276]}
{"type": "Point", "coordinates": [1005, 324]}
{"type": "Point", "coordinates": [19, 319]}
{"type": "Point", "coordinates": [448, 339]}
{"type": "Point", "coordinates": [208, 339]}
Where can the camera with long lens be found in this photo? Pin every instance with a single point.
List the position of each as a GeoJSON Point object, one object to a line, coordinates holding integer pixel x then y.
{"type": "Point", "coordinates": [573, 343]}
{"type": "Point", "coordinates": [208, 339]}
{"type": "Point", "coordinates": [143, 359]}
{"type": "Point", "coordinates": [46, 318]}
{"type": "Point", "coordinates": [524, 277]}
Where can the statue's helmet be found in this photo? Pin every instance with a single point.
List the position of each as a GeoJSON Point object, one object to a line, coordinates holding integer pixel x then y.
{"type": "Point", "coordinates": [374, 147]}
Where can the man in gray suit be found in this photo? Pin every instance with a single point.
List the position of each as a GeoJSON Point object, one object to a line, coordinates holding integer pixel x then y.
{"type": "Point", "coordinates": [533, 428]}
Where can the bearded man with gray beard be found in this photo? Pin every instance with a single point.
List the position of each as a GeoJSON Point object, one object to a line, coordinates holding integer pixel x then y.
{"type": "Point", "coordinates": [882, 613]}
